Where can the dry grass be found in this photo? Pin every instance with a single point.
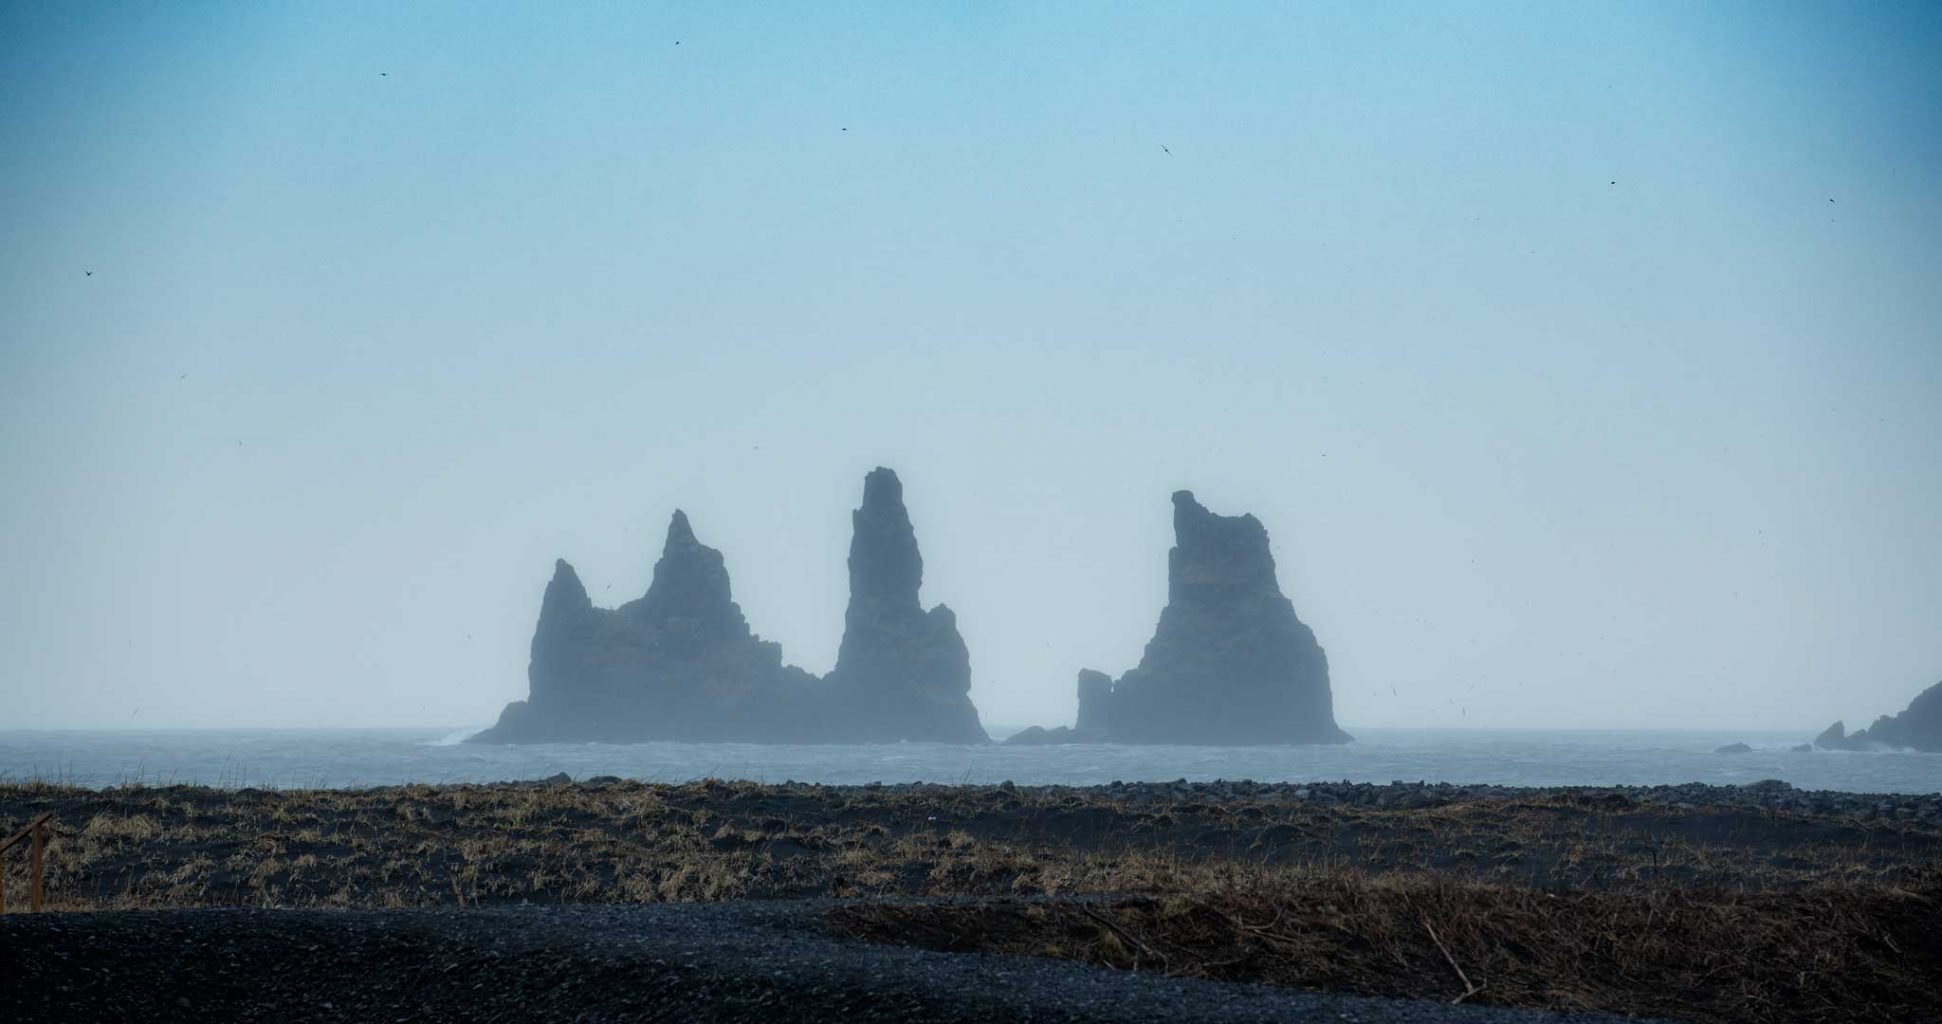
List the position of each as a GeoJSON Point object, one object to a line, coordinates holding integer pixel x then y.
{"type": "Point", "coordinates": [637, 842]}
{"type": "Point", "coordinates": [1818, 955]}
{"type": "Point", "coordinates": [1556, 900]}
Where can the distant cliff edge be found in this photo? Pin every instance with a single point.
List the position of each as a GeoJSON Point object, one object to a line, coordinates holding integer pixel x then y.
{"type": "Point", "coordinates": [1918, 727]}
{"type": "Point", "coordinates": [1230, 663]}
{"type": "Point", "coordinates": [681, 663]}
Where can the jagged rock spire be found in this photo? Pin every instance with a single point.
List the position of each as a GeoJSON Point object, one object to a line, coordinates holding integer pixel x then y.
{"type": "Point", "coordinates": [565, 615]}
{"type": "Point", "coordinates": [681, 663]}
{"type": "Point", "coordinates": [901, 673]}
{"type": "Point", "coordinates": [690, 582]}
{"type": "Point", "coordinates": [1229, 662]}
{"type": "Point", "coordinates": [885, 565]}
{"type": "Point", "coordinates": [1217, 558]}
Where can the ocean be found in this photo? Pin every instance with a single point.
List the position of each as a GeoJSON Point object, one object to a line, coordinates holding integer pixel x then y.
{"type": "Point", "coordinates": [352, 758]}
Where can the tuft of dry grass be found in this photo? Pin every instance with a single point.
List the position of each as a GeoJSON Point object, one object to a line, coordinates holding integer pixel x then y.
{"type": "Point", "coordinates": [469, 845]}
{"type": "Point", "coordinates": [1823, 954]}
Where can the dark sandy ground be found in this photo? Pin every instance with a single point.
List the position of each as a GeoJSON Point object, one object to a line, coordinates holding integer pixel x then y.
{"type": "Point", "coordinates": [1705, 904]}
{"type": "Point", "coordinates": [745, 961]}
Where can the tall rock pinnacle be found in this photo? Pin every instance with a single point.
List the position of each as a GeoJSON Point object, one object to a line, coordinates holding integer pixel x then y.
{"type": "Point", "coordinates": [1230, 663]}
{"type": "Point", "coordinates": [901, 673]}
{"type": "Point", "coordinates": [566, 620]}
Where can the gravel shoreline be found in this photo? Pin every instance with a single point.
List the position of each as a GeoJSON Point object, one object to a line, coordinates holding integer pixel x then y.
{"type": "Point", "coordinates": [1767, 795]}
{"type": "Point", "coordinates": [723, 962]}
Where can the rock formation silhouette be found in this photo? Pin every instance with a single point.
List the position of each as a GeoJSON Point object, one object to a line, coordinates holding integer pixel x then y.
{"type": "Point", "coordinates": [1918, 727]}
{"type": "Point", "coordinates": [681, 663]}
{"type": "Point", "coordinates": [1229, 663]}
{"type": "Point", "coordinates": [902, 673]}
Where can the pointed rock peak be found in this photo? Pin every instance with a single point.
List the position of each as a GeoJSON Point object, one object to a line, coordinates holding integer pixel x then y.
{"type": "Point", "coordinates": [690, 581]}
{"type": "Point", "coordinates": [1190, 517]}
{"type": "Point", "coordinates": [679, 532]}
{"type": "Point", "coordinates": [884, 562]}
{"type": "Point", "coordinates": [564, 593]}
{"type": "Point", "coordinates": [882, 489]}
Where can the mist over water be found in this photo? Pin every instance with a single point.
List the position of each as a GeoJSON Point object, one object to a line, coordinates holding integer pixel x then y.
{"type": "Point", "coordinates": [362, 758]}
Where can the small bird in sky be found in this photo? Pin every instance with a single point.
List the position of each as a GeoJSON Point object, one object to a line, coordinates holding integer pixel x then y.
{"type": "Point", "coordinates": [384, 74]}
{"type": "Point", "coordinates": [1164, 149]}
{"type": "Point", "coordinates": [90, 273]}
{"type": "Point", "coordinates": [182, 377]}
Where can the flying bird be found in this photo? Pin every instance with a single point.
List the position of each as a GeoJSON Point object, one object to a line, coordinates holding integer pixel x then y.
{"type": "Point", "coordinates": [1164, 149]}
{"type": "Point", "coordinates": [90, 273]}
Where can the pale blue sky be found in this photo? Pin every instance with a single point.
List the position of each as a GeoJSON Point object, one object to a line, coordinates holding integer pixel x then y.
{"type": "Point", "coordinates": [1582, 360]}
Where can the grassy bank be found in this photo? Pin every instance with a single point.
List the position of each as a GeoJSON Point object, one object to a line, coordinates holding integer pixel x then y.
{"type": "Point", "coordinates": [1696, 903]}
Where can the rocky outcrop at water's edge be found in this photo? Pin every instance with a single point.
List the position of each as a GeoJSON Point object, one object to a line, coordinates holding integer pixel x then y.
{"type": "Point", "coordinates": [1229, 663]}
{"type": "Point", "coordinates": [1918, 727]}
{"type": "Point", "coordinates": [681, 663]}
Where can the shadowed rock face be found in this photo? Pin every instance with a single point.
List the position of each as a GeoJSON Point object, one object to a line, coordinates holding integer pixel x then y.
{"type": "Point", "coordinates": [1229, 663]}
{"type": "Point", "coordinates": [1095, 704]}
{"type": "Point", "coordinates": [902, 673]}
{"type": "Point", "coordinates": [1918, 727]}
{"type": "Point", "coordinates": [678, 663]}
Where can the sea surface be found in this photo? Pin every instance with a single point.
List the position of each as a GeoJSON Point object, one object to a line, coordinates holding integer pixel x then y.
{"type": "Point", "coordinates": [349, 758]}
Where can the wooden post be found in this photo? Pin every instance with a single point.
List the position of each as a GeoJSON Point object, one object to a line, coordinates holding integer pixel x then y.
{"type": "Point", "coordinates": [36, 828]}
{"type": "Point", "coordinates": [40, 843]}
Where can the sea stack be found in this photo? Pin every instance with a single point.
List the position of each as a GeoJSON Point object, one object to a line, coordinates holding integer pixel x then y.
{"type": "Point", "coordinates": [902, 673]}
{"type": "Point", "coordinates": [679, 663]}
{"type": "Point", "coordinates": [1918, 727]}
{"type": "Point", "coordinates": [1230, 663]}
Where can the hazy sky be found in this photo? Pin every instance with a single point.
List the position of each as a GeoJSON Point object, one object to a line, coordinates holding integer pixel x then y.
{"type": "Point", "coordinates": [1584, 362]}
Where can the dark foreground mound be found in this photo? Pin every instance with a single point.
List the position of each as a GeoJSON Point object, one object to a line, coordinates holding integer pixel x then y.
{"type": "Point", "coordinates": [682, 664]}
{"type": "Point", "coordinates": [1918, 727]}
{"type": "Point", "coordinates": [1230, 663]}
